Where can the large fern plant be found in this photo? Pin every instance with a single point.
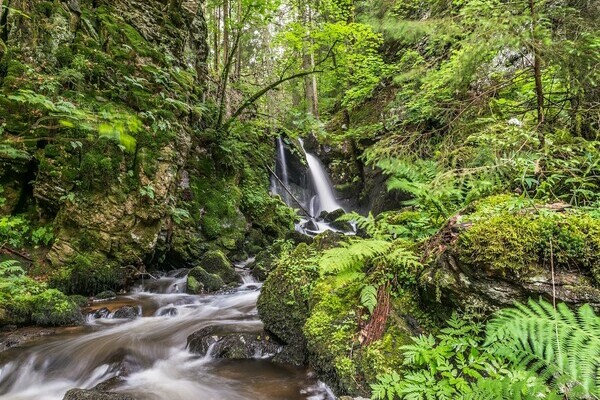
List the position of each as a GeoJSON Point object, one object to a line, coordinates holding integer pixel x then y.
{"type": "Point", "coordinates": [531, 351]}
{"type": "Point", "coordinates": [561, 346]}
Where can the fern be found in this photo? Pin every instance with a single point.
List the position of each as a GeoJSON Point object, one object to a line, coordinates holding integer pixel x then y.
{"type": "Point", "coordinates": [517, 384]}
{"type": "Point", "coordinates": [559, 345]}
{"type": "Point", "coordinates": [351, 257]}
{"type": "Point", "coordinates": [10, 268]}
{"type": "Point", "coordinates": [368, 297]}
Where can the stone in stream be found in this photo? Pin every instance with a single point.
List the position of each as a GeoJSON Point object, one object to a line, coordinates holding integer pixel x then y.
{"type": "Point", "coordinates": [127, 312]}
{"type": "Point", "coordinates": [233, 342]}
{"type": "Point", "coordinates": [332, 216]}
{"type": "Point", "coordinates": [200, 281]}
{"type": "Point", "coordinates": [83, 394]}
{"type": "Point", "coordinates": [171, 312]}
{"type": "Point", "coordinates": [101, 313]}
{"type": "Point", "coordinates": [310, 225]}
{"type": "Point", "coordinates": [107, 294]}
{"type": "Point", "coordinates": [215, 262]}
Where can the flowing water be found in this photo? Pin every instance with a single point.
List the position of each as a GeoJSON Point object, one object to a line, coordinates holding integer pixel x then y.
{"type": "Point", "coordinates": [325, 199]}
{"type": "Point", "coordinates": [147, 357]}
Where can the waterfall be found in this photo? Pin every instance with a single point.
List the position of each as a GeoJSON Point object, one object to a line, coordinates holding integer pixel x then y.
{"type": "Point", "coordinates": [281, 169]}
{"type": "Point", "coordinates": [325, 199]}
{"type": "Point", "coordinates": [283, 162]}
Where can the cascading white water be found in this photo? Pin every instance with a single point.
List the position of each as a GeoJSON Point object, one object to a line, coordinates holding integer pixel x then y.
{"type": "Point", "coordinates": [149, 353]}
{"type": "Point", "coordinates": [283, 161]}
{"type": "Point", "coordinates": [325, 196]}
{"type": "Point", "coordinates": [282, 173]}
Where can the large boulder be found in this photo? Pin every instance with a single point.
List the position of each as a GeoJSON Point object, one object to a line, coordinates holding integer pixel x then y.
{"type": "Point", "coordinates": [283, 302]}
{"type": "Point", "coordinates": [489, 262]}
{"type": "Point", "coordinates": [233, 342]}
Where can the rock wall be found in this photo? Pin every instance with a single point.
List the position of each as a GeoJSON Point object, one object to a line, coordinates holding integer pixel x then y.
{"type": "Point", "coordinates": [100, 109]}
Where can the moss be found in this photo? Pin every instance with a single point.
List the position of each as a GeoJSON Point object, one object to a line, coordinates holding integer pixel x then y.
{"type": "Point", "coordinates": [331, 332]}
{"type": "Point", "coordinates": [518, 244]}
{"type": "Point", "coordinates": [54, 308]}
{"type": "Point", "coordinates": [199, 281]}
{"type": "Point", "coordinates": [215, 262]}
{"type": "Point", "coordinates": [283, 302]}
{"type": "Point", "coordinates": [87, 274]}
{"type": "Point", "coordinates": [193, 286]}
{"type": "Point", "coordinates": [64, 56]}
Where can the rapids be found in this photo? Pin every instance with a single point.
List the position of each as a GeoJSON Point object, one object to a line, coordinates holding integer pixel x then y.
{"type": "Point", "coordinates": [147, 356]}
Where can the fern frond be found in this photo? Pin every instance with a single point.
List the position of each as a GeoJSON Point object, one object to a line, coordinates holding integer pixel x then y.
{"type": "Point", "coordinates": [559, 345]}
{"type": "Point", "coordinates": [351, 256]}
{"type": "Point", "coordinates": [10, 268]}
{"type": "Point", "coordinates": [368, 297]}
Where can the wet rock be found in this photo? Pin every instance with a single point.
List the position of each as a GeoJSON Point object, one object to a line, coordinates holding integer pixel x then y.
{"type": "Point", "coordinates": [101, 313]}
{"type": "Point", "coordinates": [200, 281]}
{"type": "Point", "coordinates": [310, 225]}
{"type": "Point", "coordinates": [332, 216]}
{"type": "Point", "coordinates": [171, 312]}
{"type": "Point", "coordinates": [233, 342]}
{"type": "Point", "coordinates": [82, 394]}
{"type": "Point", "coordinates": [107, 294]}
{"type": "Point", "coordinates": [298, 237]}
{"type": "Point", "coordinates": [215, 262]}
{"type": "Point", "coordinates": [127, 312]}
{"type": "Point", "coordinates": [343, 226]}
{"type": "Point", "coordinates": [109, 384]}
{"type": "Point", "coordinates": [12, 336]}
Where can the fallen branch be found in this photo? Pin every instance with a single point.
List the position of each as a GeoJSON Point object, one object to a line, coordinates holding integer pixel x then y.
{"type": "Point", "coordinates": [289, 192]}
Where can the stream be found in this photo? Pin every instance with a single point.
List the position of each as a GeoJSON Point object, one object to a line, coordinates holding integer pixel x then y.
{"type": "Point", "coordinates": [147, 357]}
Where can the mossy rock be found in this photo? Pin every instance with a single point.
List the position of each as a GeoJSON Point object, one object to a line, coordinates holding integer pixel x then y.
{"type": "Point", "coordinates": [518, 244]}
{"type": "Point", "coordinates": [331, 334]}
{"type": "Point", "coordinates": [107, 294]}
{"type": "Point", "coordinates": [334, 215]}
{"type": "Point", "coordinates": [201, 281]}
{"type": "Point", "coordinates": [54, 308]}
{"type": "Point", "coordinates": [215, 262]}
{"type": "Point", "coordinates": [81, 301]}
{"type": "Point", "coordinates": [87, 274]}
{"type": "Point", "coordinates": [283, 302]}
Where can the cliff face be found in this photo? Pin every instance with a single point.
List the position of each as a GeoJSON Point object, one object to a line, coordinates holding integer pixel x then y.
{"type": "Point", "coordinates": [99, 110]}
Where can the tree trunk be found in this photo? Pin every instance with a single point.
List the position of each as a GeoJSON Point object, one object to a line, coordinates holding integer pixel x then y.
{"type": "Point", "coordinates": [537, 73]}
{"type": "Point", "coordinates": [375, 328]}
{"type": "Point", "coordinates": [216, 39]}
{"type": "Point", "coordinates": [308, 63]}
{"type": "Point", "coordinates": [226, 55]}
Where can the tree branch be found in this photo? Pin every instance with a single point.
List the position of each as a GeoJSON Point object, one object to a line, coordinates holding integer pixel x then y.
{"type": "Point", "coordinates": [272, 86]}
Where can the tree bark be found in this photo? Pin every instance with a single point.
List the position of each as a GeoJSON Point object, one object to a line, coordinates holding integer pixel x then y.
{"type": "Point", "coordinates": [537, 73]}
{"type": "Point", "coordinates": [308, 63]}
{"type": "Point", "coordinates": [375, 328]}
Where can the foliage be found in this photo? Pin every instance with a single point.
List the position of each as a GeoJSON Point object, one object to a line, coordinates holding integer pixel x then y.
{"type": "Point", "coordinates": [530, 351]}
{"type": "Point", "coordinates": [106, 123]}
{"type": "Point", "coordinates": [28, 301]}
{"type": "Point", "coordinates": [16, 232]}
{"type": "Point", "coordinates": [561, 346]}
